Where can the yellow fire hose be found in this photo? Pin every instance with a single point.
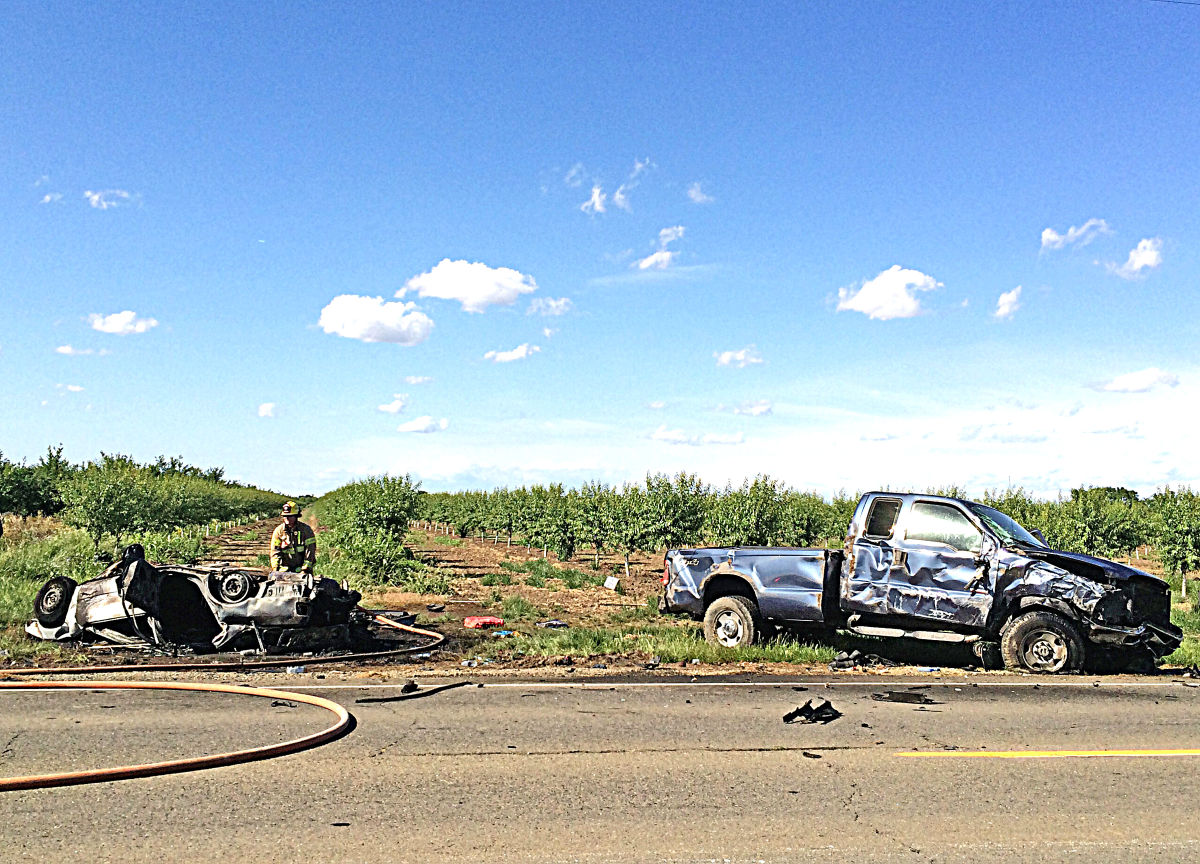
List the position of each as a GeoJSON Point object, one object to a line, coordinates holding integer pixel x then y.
{"type": "Point", "coordinates": [196, 763]}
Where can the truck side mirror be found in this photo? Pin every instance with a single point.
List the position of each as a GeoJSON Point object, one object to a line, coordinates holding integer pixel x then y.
{"type": "Point", "coordinates": [1039, 536]}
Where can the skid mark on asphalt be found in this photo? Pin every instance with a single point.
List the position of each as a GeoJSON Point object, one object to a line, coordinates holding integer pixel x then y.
{"type": "Point", "coordinates": [1041, 754]}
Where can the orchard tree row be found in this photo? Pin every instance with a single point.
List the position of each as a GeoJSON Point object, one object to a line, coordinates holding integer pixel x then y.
{"type": "Point", "coordinates": [117, 497]}
{"type": "Point", "coordinates": [681, 511]}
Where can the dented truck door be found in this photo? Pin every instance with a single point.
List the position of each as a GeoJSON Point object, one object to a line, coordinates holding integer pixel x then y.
{"type": "Point", "coordinates": [871, 557]}
{"type": "Point", "coordinates": [941, 566]}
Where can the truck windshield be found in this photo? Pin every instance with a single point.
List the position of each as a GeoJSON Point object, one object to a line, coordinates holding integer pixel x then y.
{"type": "Point", "coordinates": [1005, 526]}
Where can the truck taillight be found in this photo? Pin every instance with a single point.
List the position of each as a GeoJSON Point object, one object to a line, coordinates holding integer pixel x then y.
{"type": "Point", "coordinates": [666, 571]}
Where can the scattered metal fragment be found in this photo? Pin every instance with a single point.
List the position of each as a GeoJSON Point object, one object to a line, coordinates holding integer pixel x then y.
{"type": "Point", "coordinates": [858, 659]}
{"type": "Point", "coordinates": [906, 696]}
{"type": "Point", "coordinates": [822, 712]}
{"type": "Point", "coordinates": [282, 703]}
{"type": "Point", "coordinates": [653, 664]}
{"type": "Point", "coordinates": [294, 670]}
{"type": "Point", "coordinates": [553, 623]}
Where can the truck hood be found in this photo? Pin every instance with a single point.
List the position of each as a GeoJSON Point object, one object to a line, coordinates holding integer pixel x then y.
{"type": "Point", "coordinates": [1089, 566]}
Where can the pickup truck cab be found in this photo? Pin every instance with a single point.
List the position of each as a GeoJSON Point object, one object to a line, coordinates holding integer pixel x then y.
{"type": "Point", "coordinates": [935, 568]}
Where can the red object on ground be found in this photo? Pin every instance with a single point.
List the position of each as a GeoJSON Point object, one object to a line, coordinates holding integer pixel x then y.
{"type": "Point", "coordinates": [476, 622]}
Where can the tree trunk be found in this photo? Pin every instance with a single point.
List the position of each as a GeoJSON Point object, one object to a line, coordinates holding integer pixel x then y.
{"type": "Point", "coordinates": [626, 566]}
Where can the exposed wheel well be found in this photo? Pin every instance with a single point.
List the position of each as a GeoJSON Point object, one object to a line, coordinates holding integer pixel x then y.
{"type": "Point", "coordinates": [725, 586]}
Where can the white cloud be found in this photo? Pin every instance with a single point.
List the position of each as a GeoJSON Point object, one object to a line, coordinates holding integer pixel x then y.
{"type": "Point", "coordinates": [678, 436]}
{"type": "Point", "coordinates": [549, 306]}
{"type": "Point", "coordinates": [423, 425]}
{"type": "Point", "coordinates": [473, 284]}
{"type": "Point", "coordinates": [595, 204]}
{"type": "Point", "coordinates": [754, 409]}
{"type": "Point", "coordinates": [266, 409]}
{"type": "Point", "coordinates": [889, 295]}
{"type": "Point", "coordinates": [662, 259]}
{"type": "Point", "coordinates": [107, 198]}
{"type": "Point", "coordinates": [697, 196]}
{"type": "Point", "coordinates": [72, 352]}
{"type": "Point", "coordinates": [51, 197]}
{"type": "Point", "coordinates": [639, 166]}
{"type": "Point", "coordinates": [399, 400]}
{"type": "Point", "coordinates": [1008, 304]}
{"type": "Point", "coordinates": [657, 405]}
{"type": "Point", "coordinates": [1140, 382]}
{"type": "Point", "coordinates": [74, 388]}
{"type": "Point", "coordinates": [417, 379]}
{"type": "Point", "coordinates": [1146, 256]}
{"type": "Point", "coordinates": [670, 235]}
{"type": "Point", "coordinates": [1083, 235]}
{"type": "Point", "coordinates": [620, 198]}
{"type": "Point", "coordinates": [121, 323]}
{"type": "Point", "coordinates": [372, 319]}
{"type": "Point", "coordinates": [574, 177]}
{"type": "Point", "coordinates": [548, 332]}
{"type": "Point", "coordinates": [659, 260]}
{"type": "Point", "coordinates": [519, 353]}
{"type": "Point", "coordinates": [748, 356]}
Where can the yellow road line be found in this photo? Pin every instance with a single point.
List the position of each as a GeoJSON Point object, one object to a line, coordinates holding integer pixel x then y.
{"type": "Point", "coordinates": [1041, 754]}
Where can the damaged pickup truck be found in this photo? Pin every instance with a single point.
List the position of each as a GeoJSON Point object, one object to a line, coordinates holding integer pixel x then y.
{"type": "Point", "coordinates": [934, 568]}
{"type": "Point", "coordinates": [214, 608]}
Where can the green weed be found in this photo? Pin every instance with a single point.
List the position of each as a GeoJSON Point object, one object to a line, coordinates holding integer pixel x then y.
{"type": "Point", "coordinates": [516, 608]}
{"type": "Point", "coordinates": [446, 540]}
{"type": "Point", "coordinates": [535, 581]}
{"type": "Point", "coordinates": [496, 579]}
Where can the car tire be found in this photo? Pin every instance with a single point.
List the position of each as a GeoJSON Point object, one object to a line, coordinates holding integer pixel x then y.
{"type": "Point", "coordinates": [1041, 641]}
{"type": "Point", "coordinates": [732, 622]}
{"type": "Point", "coordinates": [52, 601]}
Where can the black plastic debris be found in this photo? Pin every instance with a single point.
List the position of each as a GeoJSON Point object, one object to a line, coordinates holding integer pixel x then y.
{"type": "Point", "coordinates": [1193, 672]}
{"type": "Point", "coordinates": [410, 687]}
{"type": "Point", "coordinates": [808, 754]}
{"type": "Point", "coordinates": [906, 696]}
{"type": "Point", "coordinates": [856, 659]}
{"type": "Point", "coordinates": [553, 624]}
{"type": "Point", "coordinates": [822, 712]}
{"type": "Point", "coordinates": [280, 703]}
{"type": "Point", "coordinates": [436, 607]}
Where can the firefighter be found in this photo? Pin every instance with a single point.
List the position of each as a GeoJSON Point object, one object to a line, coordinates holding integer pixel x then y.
{"type": "Point", "coordinates": [293, 545]}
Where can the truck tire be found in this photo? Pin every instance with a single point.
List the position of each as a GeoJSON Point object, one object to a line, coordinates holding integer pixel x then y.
{"type": "Point", "coordinates": [732, 622]}
{"type": "Point", "coordinates": [52, 601]}
{"type": "Point", "coordinates": [1041, 641]}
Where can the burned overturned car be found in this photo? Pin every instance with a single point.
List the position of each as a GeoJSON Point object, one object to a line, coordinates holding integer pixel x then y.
{"type": "Point", "coordinates": [209, 608]}
{"type": "Point", "coordinates": [938, 569]}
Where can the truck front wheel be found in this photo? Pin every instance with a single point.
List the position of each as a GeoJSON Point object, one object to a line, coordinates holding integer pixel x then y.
{"type": "Point", "coordinates": [1041, 641]}
{"type": "Point", "coordinates": [732, 622]}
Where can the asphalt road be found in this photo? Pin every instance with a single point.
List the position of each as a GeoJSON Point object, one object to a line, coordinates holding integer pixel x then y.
{"type": "Point", "coordinates": [618, 773]}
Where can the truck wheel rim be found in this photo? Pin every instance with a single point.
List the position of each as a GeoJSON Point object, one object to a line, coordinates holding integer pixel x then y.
{"type": "Point", "coordinates": [729, 629]}
{"type": "Point", "coordinates": [1045, 651]}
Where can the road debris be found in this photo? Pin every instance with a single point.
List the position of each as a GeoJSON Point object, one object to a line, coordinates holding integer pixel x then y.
{"type": "Point", "coordinates": [822, 712]}
{"type": "Point", "coordinates": [856, 659]}
{"type": "Point", "coordinates": [478, 622]}
{"type": "Point", "coordinates": [294, 670]}
{"type": "Point", "coordinates": [553, 624]}
{"type": "Point", "coordinates": [611, 583]}
{"type": "Point", "coordinates": [906, 696]}
{"type": "Point", "coordinates": [436, 607]}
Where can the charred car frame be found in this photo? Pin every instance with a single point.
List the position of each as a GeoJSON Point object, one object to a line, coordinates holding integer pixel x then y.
{"type": "Point", "coordinates": [209, 608]}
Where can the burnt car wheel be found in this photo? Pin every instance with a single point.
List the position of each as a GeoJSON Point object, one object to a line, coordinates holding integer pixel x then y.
{"type": "Point", "coordinates": [1041, 641]}
{"type": "Point", "coordinates": [51, 604]}
{"type": "Point", "coordinates": [234, 587]}
{"type": "Point", "coordinates": [732, 622]}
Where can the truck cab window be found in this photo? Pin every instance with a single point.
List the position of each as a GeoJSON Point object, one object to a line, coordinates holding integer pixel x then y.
{"type": "Point", "coordinates": [941, 523]}
{"type": "Point", "coordinates": [883, 517]}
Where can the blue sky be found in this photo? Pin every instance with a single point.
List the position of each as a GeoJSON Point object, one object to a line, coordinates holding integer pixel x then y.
{"type": "Point", "coordinates": [851, 245]}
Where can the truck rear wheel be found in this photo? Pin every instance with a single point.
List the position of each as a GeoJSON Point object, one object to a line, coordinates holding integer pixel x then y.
{"type": "Point", "coordinates": [732, 622]}
{"type": "Point", "coordinates": [1041, 641]}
